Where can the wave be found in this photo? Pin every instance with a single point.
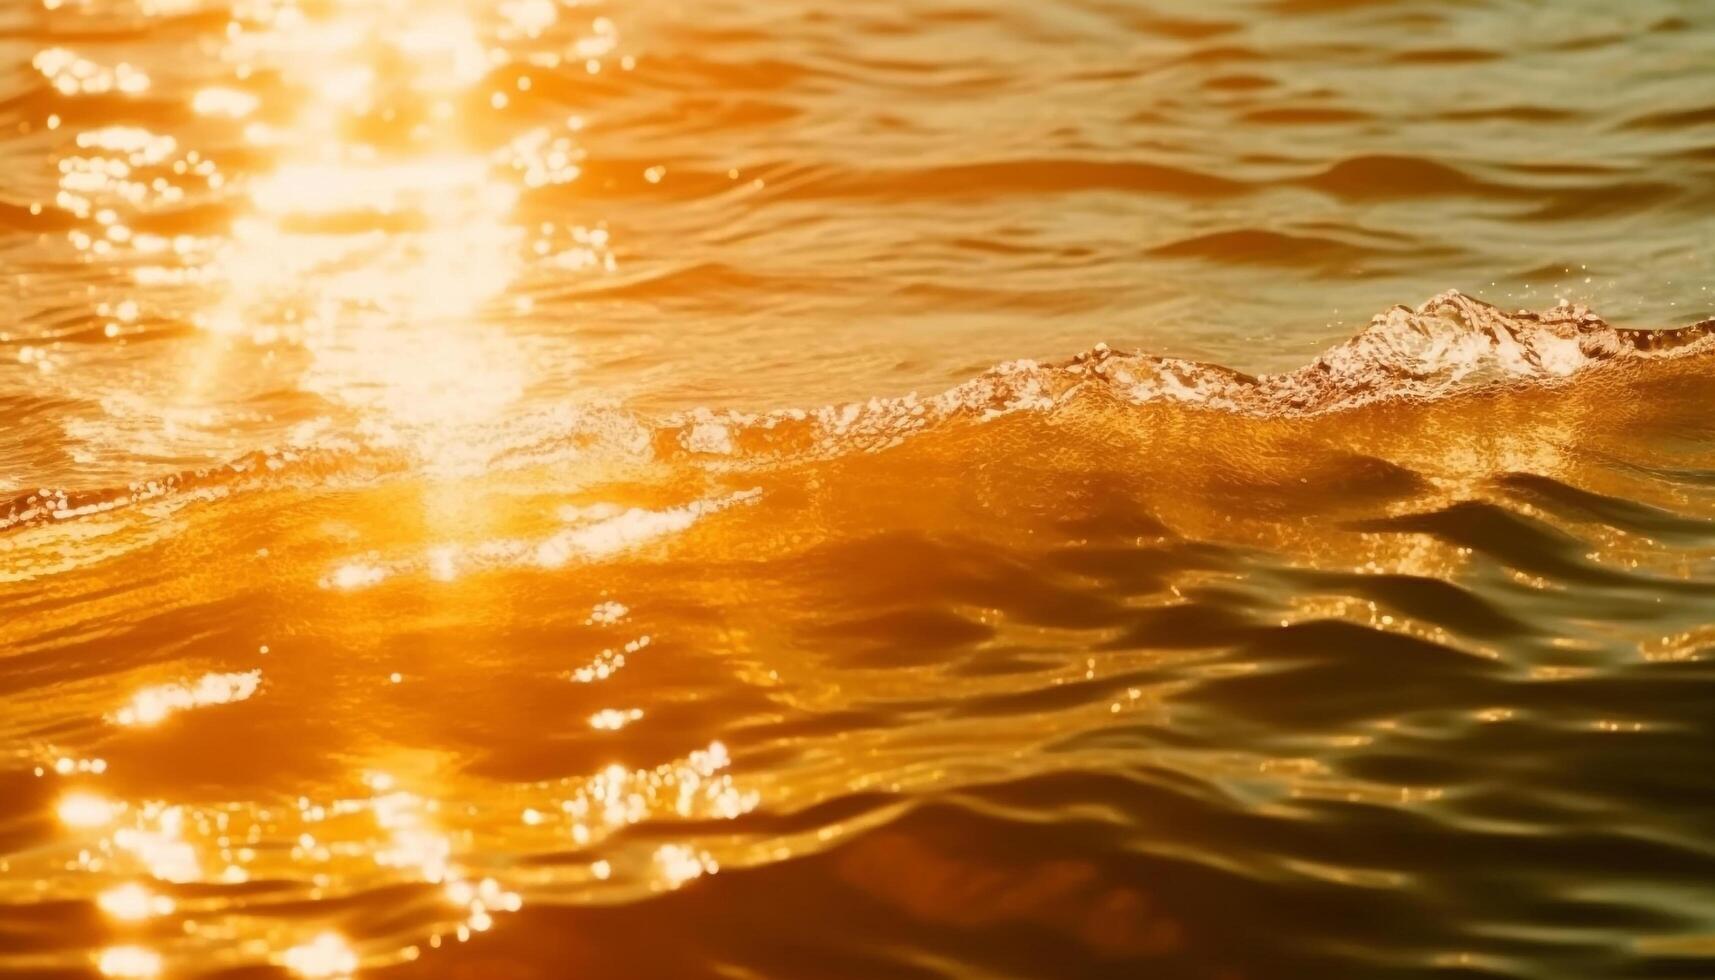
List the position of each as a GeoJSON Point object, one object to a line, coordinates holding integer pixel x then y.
{"type": "Point", "coordinates": [1452, 345]}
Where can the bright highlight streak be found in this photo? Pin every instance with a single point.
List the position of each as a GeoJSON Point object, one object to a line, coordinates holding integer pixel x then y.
{"type": "Point", "coordinates": [612, 719]}
{"type": "Point", "coordinates": [86, 810]}
{"type": "Point", "coordinates": [152, 704]}
{"type": "Point", "coordinates": [132, 903]}
{"type": "Point", "coordinates": [129, 962]}
{"type": "Point", "coordinates": [228, 102]}
{"type": "Point", "coordinates": [327, 955]}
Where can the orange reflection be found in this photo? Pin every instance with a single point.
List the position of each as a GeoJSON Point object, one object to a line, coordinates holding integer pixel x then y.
{"type": "Point", "coordinates": [133, 902]}
{"type": "Point", "coordinates": [87, 810]}
{"type": "Point", "coordinates": [327, 955]}
{"type": "Point", "coordinates": [366, 231]}
{"type": "Point", "coordinates": [374, 252]}
{"type": "Point", "coordinates": [152, 704]}
{"type": "Point", "coordinates": [129, 961]}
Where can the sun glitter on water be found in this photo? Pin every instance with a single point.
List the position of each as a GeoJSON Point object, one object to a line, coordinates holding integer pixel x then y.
{"type": "Point", "coordinates": [370, 244]}
{"type": "Point", "coordinates": [407, 238]}
{"type": "Point", "coordinates": [372, 251]}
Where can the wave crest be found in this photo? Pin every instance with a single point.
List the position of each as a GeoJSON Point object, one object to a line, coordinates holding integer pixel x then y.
{"type": "Point", "coordinates": [1448, 346]}
{"type": "Point", "coordinates": [1453, 344]}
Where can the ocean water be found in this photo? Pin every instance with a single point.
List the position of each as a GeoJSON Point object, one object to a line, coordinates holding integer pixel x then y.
{"type": "Point", "coordinates": [1091, 488]}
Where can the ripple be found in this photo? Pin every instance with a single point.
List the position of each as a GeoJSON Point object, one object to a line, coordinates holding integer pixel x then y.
{"type": "Point", "coordinates": [387, 454]}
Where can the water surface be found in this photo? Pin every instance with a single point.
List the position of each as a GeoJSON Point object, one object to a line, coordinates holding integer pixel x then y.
{"type": "Point", "coordinates": [542, 489]}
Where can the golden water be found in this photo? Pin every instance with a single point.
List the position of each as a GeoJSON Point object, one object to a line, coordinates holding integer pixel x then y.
{"type": "Point", "coordinates": [546, 489]}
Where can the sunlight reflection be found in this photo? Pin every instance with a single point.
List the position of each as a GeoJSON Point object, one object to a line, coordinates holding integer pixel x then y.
{"type": "Point", "coordinates": [414, 844]}
{"type": "Point", "coordinates": [608, 662]}
{"type": "Point", "coordinates": [129, 962]}
{"type": "Point", "coordinates": [679, 863]}
{"type": "Point", "coordinates": [327, 955]}
{"type": "Point", "coordinates": [333, 847]}
{"type": "Point", "coordinates": [74, 75]}
{"type": "Point", "coordinates": [364, 211]}
{"type": "Point", "coordinates": [152, 704]}
{"type": "Point", "coordinates": [624, 530]}
{"type": "Point", "coordinates": [405, 243]}
{"type": "Point", "coordinates": [157, 842]}
{"type": "Point", "coordinates": [221, 101]}
{"type": "Point", "coordinates": [613, 719]}
{"type": "Point", "coordinates": [85, 810]}
{"type": "Point", "coordinates": [341, 223]}
{"type": "Point", "coordinates": [133, 902]}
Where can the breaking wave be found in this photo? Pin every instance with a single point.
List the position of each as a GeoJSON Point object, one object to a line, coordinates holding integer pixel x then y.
{"type": "Point", "coordinates": [1452, 345]}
